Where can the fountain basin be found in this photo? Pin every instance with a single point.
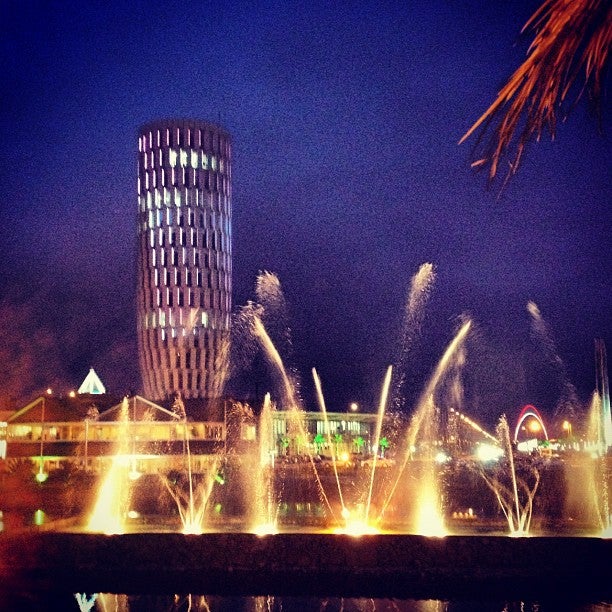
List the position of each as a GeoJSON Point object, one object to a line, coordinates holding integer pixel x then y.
{"type": "Point", "coordinates": [314, 564]}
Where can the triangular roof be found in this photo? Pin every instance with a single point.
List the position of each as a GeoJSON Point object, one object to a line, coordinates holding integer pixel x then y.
{"type": "Point", "coordinates": [92, 384]}
{"type": "Point", "coordinates": [48, 409]}
{"type": "Point", "coordinates": [139, 409]}
{"type": "Point", "coordinates": [51, 408]}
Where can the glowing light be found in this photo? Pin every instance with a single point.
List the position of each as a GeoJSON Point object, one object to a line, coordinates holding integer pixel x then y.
{"type": "Point", "coordinates": [357, 528]}
{"type": "Point", "coordinates": [534, 426]}
{"type": "Point", "coordinates": [442, 457]}
{"type": "Point", "coordinates": [219, 478]}
{"type": "Point", "coordinates": [488, 452]}
{"type": "Point", "coordinates": [354, 406]}
{"type": "Point", "coordinates": [265, 529]}
{"type": "Point", "coordinates": [429, 520]}
{"type": "Point", "coordinates": [39, 517]}
{"type": "Point", "coordinates": [192, 527]}
{"type": "Point", "coordinates": [41, 476]}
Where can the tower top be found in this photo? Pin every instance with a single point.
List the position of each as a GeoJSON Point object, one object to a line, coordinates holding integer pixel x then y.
{"type": "Point", "coordinates": [92, 384]}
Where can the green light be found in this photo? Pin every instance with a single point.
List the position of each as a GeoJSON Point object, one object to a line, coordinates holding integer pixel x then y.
{"type": "Point", "coordinates": [39, 517]}
{"type": "Point", "coordinates": [41, 476]}
{"type": "Point", "coordinates": [220, 479]}
{"type": "Point", "coordinates": [218, 508]}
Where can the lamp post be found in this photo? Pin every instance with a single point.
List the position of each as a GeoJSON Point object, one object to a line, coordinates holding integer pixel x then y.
{"type": "Point", "coordinates": [41, 476]}
{"type": "Point", "coordinates": [567, 428]}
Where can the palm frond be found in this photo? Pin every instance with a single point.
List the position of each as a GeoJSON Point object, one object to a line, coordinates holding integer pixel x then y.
{"type": "Point", "coordinates": [571, 37]}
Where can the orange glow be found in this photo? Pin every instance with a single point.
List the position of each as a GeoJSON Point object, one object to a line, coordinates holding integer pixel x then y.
{"type": "Point", "coordinates": [534, 426]}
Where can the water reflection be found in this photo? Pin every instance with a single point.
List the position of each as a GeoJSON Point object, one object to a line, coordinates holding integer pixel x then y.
{"type": "Point", "coordinates": [107, 602]}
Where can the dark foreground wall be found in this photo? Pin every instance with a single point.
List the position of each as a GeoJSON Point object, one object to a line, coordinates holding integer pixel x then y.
{"type": "Point", "coordinates": [310, 564]}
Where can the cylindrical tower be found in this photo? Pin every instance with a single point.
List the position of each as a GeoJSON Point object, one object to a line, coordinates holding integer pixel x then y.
{"type": "Point", "coordinates": [184, 258]}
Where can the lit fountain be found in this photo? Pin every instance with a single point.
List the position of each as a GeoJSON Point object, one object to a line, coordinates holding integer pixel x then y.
{"type": "Point", "coordinates": [422, 430]}
{"type": "Point", "coordinates": [398, 564]}
{"type": "Point", "coordinates": [355, 522]}
{"type": "Point", "coordinates": [514, 493]}
{"type": "Point", "coordinates": [264, 517]}
{"type": "Point", "coordinates": [192, 502]}
{"type": "Point", "coordinates": [296, 424]}
{"type": "Point", "coordinates": [112, 501]}
{"type": "Point", "coordinates": [587, 494]}
{"type": "Point", "coordinates": [594, 482]}
{"type": "Point", "coordinates": [412, 323]}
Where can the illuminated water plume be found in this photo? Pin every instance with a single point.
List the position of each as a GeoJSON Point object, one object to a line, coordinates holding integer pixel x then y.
{"type": "Point", "coordinates": [568, 401]}
{"type": "Point", "coordinates": [296, 425]}
{"type": "Point", "coordinates": [261, 488]}
{"type": "Point", "coordinates": [414, 313]}
{"type": "Point", "coordinates": [356, 523]}
{"type": "Point", "coordinates": [111, 506]}
{"type": "Point", "coordinates": [423, 428]}
{"type": "Point", "coordinates": [513, 493]}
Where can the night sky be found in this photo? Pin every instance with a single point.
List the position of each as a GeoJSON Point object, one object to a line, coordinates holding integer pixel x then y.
{"type": "Point", "coordinates": [347, 176]}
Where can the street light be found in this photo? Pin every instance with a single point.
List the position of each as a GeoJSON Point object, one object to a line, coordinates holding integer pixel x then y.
{"type": "Point", "coordinates": [567, 427]}
{"type": "Point", "coordinates": [354, 406]}
{"type": "Point", "coordinates": [534, 426]}
{"type": "Point", "coordinates": [41, 476]}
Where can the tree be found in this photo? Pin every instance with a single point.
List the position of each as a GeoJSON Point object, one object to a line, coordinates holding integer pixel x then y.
{"type": "Point", "coordinates": [319, 440]}
{"type": "Point", "coordinates": [571, 36]}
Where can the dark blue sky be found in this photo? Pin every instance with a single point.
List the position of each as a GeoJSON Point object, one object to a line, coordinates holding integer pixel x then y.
{"type": "Point", "coordinates": [347, 177]}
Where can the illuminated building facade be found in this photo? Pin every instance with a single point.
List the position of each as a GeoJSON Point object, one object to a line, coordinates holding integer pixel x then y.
{"type": "Point", "coordinates": [184, 277]}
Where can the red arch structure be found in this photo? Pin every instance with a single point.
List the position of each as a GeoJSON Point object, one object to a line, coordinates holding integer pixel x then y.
{"type": "Point", "coordinates": [526, 412]}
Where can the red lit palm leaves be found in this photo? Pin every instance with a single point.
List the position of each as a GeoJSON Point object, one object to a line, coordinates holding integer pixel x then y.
{"type": "Point", "coordinates": [571, 36]}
